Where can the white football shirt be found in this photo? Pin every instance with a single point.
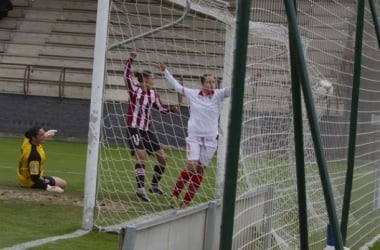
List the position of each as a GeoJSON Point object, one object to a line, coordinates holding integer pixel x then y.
{"type": "Point", "coordinates": [204, 109]}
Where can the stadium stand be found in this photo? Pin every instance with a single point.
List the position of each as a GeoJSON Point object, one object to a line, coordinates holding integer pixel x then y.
{"type": "Point", "coordinates": [47, 48]}
{"type": "Point", "coordinates": [48, 45]}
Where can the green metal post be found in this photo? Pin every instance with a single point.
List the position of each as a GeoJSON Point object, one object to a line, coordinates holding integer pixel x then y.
{"type": "Point", "coordinates": [318, 147]}
{"type": "Point", "coordinates": [300, 160]}
{"type": "Point", "coordinates": [234, 130]}
{"type": "Point", "coordinates": [353, 118]}
{"type": "Point", "coordinates": [375, 20]}
{"type": "Point", "coordinates": [299, 147]}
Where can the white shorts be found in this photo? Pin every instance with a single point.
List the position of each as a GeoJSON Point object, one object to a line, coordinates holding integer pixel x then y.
{"type": "Point", "coordinates": [201, 149]}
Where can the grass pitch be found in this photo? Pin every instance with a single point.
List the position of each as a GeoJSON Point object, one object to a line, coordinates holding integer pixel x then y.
{"type": "Point", "coordinates": [28, 215]}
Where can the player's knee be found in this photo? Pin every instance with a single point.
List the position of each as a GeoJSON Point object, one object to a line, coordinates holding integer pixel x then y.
{"type": "Point", "coordinates": [164, 159]}
{"type": "Point", "coordinates": [140, 153]}
{"type": "Point", "coordinates": [60, 182]}
{"type": "Point", "coordinates": [191, 166]}
{"type": "Point", "coordinates": [63, 183]}
{"type": "Point", "coordinates": [161, 157]}
{"type": "Point", "coordinates": [200, 168]}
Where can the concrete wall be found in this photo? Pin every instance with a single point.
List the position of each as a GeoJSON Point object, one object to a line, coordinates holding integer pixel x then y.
{"type": "Point", "coordinates": [198, 227]}
{"type": "Point", "coordinates": [71, 116]}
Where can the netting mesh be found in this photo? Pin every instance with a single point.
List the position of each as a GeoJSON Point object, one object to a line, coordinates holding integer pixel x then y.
{"type": "Point", "coordinates": [199, 44]}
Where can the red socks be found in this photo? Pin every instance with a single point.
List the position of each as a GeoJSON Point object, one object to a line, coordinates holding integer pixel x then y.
{"type": "Point", "coordinates": [183, 178]}
{"type": "Point", "coordinates": [195, 183]}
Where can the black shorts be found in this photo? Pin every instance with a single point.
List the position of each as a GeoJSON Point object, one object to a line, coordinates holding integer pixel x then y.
{"type": "Point", "coordinates": [141, 139]}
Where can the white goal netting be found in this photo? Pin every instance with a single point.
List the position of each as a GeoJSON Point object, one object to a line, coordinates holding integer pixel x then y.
{"type": "Point", "coordinates": [198, 38]}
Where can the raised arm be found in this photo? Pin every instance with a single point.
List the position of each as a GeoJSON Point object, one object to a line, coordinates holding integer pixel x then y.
{"type": "Point", "coordinates": [169, 77]}
{"type": "Point", "coordinates": [128, 69]}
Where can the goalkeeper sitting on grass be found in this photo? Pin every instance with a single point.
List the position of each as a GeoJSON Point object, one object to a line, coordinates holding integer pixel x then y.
{"type": "Point", "coordinates": [30, 171]}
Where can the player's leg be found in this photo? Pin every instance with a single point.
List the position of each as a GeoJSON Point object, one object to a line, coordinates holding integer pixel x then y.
{"type": "Point", "coordinates": [158, 171]}
{"type": "Point", "coordinates": [153, 146]}
{"type": "Point", "coordinates": [60, 182]}
{"type": "Point", "coordinates": [192, 155]}
{"type": "Point", "coordinates": [52, 185]}
{"type": "Point", "coordinates": [182, 179]}
{"type": "Point", "coordinates": [135, 142]}
{"type": "Point", "coordinates": [196, 177]}
{"type": "Point", "coordinates": [206, 152]}
{"type": "Point", "coordinates": [140, 175]}
{"type": "Point", "coordinates": [185, 176]}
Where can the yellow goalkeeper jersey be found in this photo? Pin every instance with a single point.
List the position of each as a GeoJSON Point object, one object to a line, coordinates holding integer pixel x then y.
{"type": "Point", "coordinates": [31, 162]}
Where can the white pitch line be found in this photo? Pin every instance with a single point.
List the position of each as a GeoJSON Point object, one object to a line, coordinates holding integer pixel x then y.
{"type": "Point", "coordinates": [40, 242]}
{"type": "Point", "coordinates": [371, 243]}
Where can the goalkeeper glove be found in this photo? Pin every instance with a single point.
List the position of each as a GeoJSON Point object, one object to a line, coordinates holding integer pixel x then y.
{"type": "Point", "coordinates": [50, 133]}
{"type": "Point", "coordinates": [55, 189]}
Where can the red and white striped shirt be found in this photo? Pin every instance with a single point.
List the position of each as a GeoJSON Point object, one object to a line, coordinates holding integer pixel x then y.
{"type": "Point", "coordinates": [140, 101]}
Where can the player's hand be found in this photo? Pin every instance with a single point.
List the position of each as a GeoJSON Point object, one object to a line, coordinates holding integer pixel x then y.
{"type": "Point", "coordinates": [50, 133]}
{"type": "Point", "coordinates": [133, 54]}
{"type": "Point", "coordinates": [160, 65]}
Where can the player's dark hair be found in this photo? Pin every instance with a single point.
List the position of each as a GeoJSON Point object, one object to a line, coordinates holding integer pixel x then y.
{"type": "Point", "coordinates": [32, 132]}
{"type": "Point", "coordinates": [140, 76]}
{"type": "Point", "coordinates": [203, 78]}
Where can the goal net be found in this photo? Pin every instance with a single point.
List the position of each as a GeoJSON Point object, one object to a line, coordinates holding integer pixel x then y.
{"type": "Point", "coordinates": [196, 37]}
{"type": "Point", "coordinates": [191, 47]}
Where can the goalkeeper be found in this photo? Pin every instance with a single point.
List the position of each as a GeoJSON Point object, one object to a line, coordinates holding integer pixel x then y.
{"type": "Point", "coordinates": [30, 171]}
{"type": "Point", "coordinates": [202, 129]}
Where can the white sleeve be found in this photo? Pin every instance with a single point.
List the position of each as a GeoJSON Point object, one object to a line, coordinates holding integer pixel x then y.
{"type": "Point", "coordinates": [173, 82]}
{"type": "Point", "coordinates": [227, 92]}
{"type": "Point", "coordinates": [223, 93]}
